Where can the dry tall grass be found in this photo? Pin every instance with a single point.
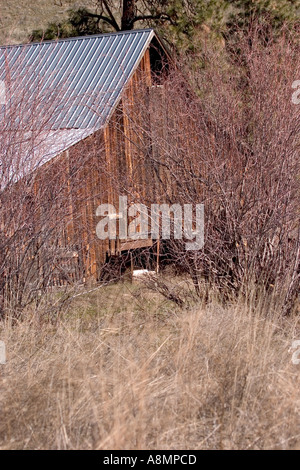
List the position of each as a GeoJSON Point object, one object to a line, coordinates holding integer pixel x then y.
{"type": "Point", "coordinates": [130, 371]}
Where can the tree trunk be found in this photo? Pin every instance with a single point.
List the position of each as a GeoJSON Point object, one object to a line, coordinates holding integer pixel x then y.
{"type": "Point", "coordinates": [128, 14]}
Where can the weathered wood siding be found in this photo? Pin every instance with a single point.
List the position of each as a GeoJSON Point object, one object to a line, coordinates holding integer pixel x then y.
{"type": "Point", "coordinates": [111, 162]}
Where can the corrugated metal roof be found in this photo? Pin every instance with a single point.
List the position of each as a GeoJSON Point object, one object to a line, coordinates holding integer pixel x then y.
{"type": "Point", "coordinates": [57, 93]}
{"type": "Point", "coordinates": [33, 151]}
{"type": "Point", "coordinates": [71, 83]}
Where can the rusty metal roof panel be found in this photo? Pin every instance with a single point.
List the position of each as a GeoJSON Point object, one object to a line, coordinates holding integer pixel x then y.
{"type": "Point", "coordinates": [72, 83]}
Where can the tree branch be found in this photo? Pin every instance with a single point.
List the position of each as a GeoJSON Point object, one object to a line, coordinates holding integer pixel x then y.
{"type": "Point", "coordinates": [108, 20]}
{"type": "Point", "coordinates": [159, 16]}
{"type": "Point", "coordinates": [116, 26]}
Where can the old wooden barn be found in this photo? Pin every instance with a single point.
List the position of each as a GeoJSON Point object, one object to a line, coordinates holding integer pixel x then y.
{"type": "Point", "coordinates": [76, 133]}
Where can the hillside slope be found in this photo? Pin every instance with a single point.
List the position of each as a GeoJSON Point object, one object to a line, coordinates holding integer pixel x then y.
{"type": "Point", "coordinates": [19, 17]}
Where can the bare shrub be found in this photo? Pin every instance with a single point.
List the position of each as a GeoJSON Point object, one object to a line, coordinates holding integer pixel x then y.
{"type": "Point", "coordinates": [46, 216]}
{"type": "Point", "coordinates": [231, 141]}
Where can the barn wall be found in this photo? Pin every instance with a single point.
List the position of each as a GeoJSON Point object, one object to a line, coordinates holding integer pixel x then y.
{"type": "Point", "coordinates": [110, 163]}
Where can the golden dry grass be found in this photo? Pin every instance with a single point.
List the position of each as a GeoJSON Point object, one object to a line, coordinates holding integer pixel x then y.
{"type": "Point", "coordinates": [124, 369]}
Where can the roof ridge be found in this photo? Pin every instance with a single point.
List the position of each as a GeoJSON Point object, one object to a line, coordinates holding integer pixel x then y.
{"type": "Point", "coordinates": [76, 38]}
